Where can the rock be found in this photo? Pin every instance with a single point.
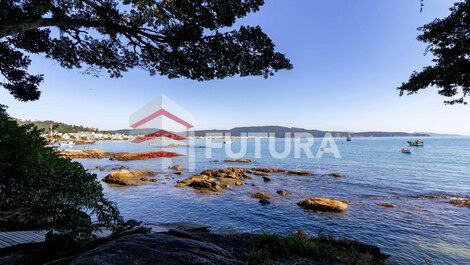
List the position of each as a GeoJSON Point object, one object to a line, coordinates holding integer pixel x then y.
{"type": "Point", "coordinates": [238, 161]}
{"type": "Point", "coordinates": [269, 170]}
{"type": "Point", "coordinates": [89, 153]}
{"type": "Point", "coordinates": [176, 167]}
{"type": "Point", "coordinates": [128, 177]}
{"type": "Point", "coordinates": [262, 174]}
{"type": "Point", "coordinates": [300, 173]}
{"type": "Point", "coordinates": [282, 192]}
{"type": "Point", "coordinates": [261, 195]}
{"type": "Point", "coordinates": [144, 178]}
{"type": "Point", "coordinates": [336, 175]}
{"type": "Point", "coordinates": [153, 180]}
{"type": "Point", "coordinates": [323, 204]}
{"type": "Point", "coordinates": [461, 202]}
{"type": "Point", "coordinates": [178, 173]}
{"type": "Point", "coordinates": [140, 156]}
{"type": "Point", "coordinates": [385, 204]}
{"type": "Point", "coordinates": [435, 196]}
{"type": "Point", "coordinates": [119, 168]}
{"type": "Point", "coordinates": [266, 179]}
{"type": "Point", "coordinates": [264, 202]}
{"type": "Point", "coordinates": [215, 180]}
{"type": "Point", "coordinates": [156, 248]}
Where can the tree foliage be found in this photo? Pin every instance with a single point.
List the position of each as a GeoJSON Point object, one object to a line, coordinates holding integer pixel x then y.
{"type": "Point", "coordinates": [175, 38]}
{"type": "Point", "coordinates": [39, 188]}
{"type": "Point", "coordinates": [448, 40]}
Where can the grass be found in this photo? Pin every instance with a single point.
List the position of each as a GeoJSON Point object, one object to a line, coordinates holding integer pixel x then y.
{"type": "Point", "coordinates": [269, 249]}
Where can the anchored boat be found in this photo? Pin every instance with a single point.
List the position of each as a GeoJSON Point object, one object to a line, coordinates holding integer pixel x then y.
{"type": "Point", "coordinates": [405, 150]}
{"type": "Point", "coordinates": [349, 138]}
{"type": "Point", "coordinates": [416, 143]}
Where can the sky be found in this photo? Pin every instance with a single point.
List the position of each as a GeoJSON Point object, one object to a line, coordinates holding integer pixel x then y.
{"type": "Point", "coordinates": [349, 57]}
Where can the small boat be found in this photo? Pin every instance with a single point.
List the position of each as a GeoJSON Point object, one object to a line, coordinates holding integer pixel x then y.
{"type": "Point", "coordinates": [418, 142]}
{"type": "Point", "coordinates": [66, 143]}
{"type": "Point", "coordinates": [405, 150]}
{"type": "Point", "coordinates": [349, 138]}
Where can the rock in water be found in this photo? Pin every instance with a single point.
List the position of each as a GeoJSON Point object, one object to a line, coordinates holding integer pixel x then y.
{"type": "Point", "coordinates": [336, 175]}
{"type": "Point", "coordinates": [461, 202]}
{"type": "Point", "coordinates": [156, 248]}
{"type": "Point", "coordinates": [261, 195]}
{"type": "Point", "coordinates": [282, 192]}
{"type": "Point", "coordinates": [176, 167]}
{"type": "Point", "coordinates": [238, 161]}
{"type": "Point", "coordinates": [264, 201]}
{"type": "Point", "coordinates": [266, 179]}
{"type": "Point", "coordinates": [129, 177]}
{"type": "Point", "coordinates": [323, 204]}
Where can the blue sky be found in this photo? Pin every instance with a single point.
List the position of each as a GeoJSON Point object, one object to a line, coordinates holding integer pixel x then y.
{"type": "Point", "coordinates": [349, 56]}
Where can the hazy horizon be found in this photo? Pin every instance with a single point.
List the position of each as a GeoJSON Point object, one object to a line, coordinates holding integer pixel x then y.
{"type": "Point", "coordinates": [348, 59]}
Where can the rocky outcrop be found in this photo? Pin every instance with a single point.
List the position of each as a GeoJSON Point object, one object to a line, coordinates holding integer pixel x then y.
{"type": "Point", "coordinates": [264, 201]}
{"type": "Point", "coordinates": [270, 170]}
{"type": "Point", "coordinates": [91, 153]}
{"type": "Point", "coordinates": [156, 248]}
{"type": "Point", "coordinates": [262, 174]}
{"type": "Point", "coordinates": [323, 204]}
{"type": "Point", "coordinates": [96, 153]}
{"type": "Point", "coordinates": [282, 192]}
{"type": "Point", "coordinates": [266, 179]}
{"type": "Point", "coordinates": [300, 173]}
{"type": "Point", "coordinates": [129, 177]}
{"type": "Point", "coordinates": [461, 202]}
{"type": "Point", "coordinates": [141, 156]}
{"type": "Point", "coordinates": [261, 195]}
{"type": "Point", "coordinates": [216, 180]}
{"type": "Point", "coordinates": [238, 161]}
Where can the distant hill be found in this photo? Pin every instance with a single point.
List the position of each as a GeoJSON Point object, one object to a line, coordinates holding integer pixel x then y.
{"type": "Point", "coordinates": [440, 134]}
{"type": "Point", "coordinates": [280, 131]}
{"type": "Point", "coordinates": [57, 126]}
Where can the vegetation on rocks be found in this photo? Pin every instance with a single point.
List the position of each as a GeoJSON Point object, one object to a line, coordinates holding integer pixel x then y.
{"type": "Point", "coordinates": [38, 188]}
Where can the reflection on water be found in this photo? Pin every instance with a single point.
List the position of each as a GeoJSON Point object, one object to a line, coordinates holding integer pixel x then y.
{"type": "Point", "coordinates": [414, 232]}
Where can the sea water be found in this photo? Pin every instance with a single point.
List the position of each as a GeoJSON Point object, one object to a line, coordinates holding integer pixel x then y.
{"type": "Point", "coordinates": [416, 231]}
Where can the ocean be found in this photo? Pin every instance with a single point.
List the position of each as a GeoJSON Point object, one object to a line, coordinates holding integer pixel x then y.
{"type": "Point", "coordinates": [417, 231]}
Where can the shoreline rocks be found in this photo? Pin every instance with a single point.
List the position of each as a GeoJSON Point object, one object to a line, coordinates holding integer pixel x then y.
{"type": "Point", "coordinates": [323, 204]}
{"type": "Point", "coordinates": [282, 192]}
{"type": "Point", "coordinates": [461, 202]}
{"type": "Point", "coordinates": [238, 161]}
{"type": "Point", "coordinates": [216, 180]}
{"type": "Point", "coordinates": [129, 177]}
{"type": "Point", "coordinates": [385, 204]}
{"type": "Point", "coordinates": [336, 175]}
{"type": "Point", "coordinates": [98, 154]}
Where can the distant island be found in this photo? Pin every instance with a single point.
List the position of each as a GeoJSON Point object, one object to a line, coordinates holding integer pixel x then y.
{"type": "Point", "coordinates": [279, 131]}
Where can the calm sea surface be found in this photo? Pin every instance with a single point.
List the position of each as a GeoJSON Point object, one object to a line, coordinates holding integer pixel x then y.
{"type": "Point", "coordinates": [417, 231]}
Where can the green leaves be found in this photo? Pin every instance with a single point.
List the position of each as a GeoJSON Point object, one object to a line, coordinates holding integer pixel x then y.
{"type": "Point", "coordinates": [35, 178]}
{"type": "Point", "coordinates": [448, 40]}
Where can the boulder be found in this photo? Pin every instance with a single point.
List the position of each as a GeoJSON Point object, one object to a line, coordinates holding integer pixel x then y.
{"type": "Point", "coordinates": [261, 195]}
{"type": "Point", "coordinates": [282, 192]}
{"type": "Point", "coordinates": [300, 173]}
{"type": "Point", "coordinates": [262, 174]}
{"type": "Point", "coordinates": [323, 204]}
{"type": "Point", "coordinates": [461, 202]}
{"type": "Point", "coordinates": [156, 248]}
{"type": "Point", "coordinates": [128, 177]}
{"type": "Point", "coordinates": [176, 167]}
{"type": "Point", "coordinates": [266, 179]}
{"type": "Point", "coordinates": [140, 156]}
{"type": "Point", "coordinates": [269, 170]}
{"type": "Point", "coordinates": [336, 175]}
{"type": "Point", "coordinates": [264, 201]}
{"type": "Point", "coordinates": [178, 173]}
{"type": "Point", "coordinates": [215, 180]}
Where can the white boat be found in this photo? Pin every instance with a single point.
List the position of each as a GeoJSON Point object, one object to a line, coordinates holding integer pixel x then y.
{"type": "Point", "coordinates": [66, 143]}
